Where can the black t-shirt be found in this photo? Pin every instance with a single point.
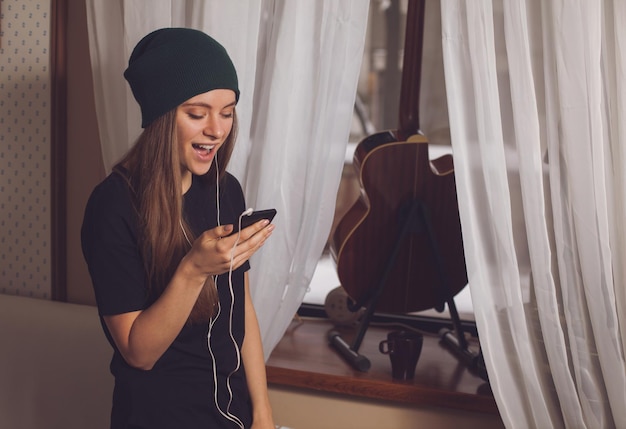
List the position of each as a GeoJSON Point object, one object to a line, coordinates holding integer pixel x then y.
{"type": "Point", "coordinates": [179, 392]}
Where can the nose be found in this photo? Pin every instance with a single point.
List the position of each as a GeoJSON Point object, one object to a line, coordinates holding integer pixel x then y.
{"type": "Point", "coordinates": [213, 129]}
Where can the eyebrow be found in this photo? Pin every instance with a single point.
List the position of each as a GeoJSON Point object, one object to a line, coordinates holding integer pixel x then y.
{"type": "Point", "coordinates": [208, 106]}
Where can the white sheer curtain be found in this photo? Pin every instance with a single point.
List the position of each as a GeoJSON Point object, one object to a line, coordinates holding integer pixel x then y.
{"type": "Point", "coordinates": [536, 99]}
{"type": "Point", "coordinates": [298, 65]}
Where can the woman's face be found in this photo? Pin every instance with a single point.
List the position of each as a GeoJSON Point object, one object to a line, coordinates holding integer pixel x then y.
{"type": "Point", "coordinates": [202, 125]}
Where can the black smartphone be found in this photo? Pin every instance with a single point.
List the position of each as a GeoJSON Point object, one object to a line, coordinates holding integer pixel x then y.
{"type": "Point", "coordinates": [247, 220]}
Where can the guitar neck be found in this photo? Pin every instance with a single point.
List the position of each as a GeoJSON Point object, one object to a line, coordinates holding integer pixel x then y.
{"type": "Point", "coordinates": [412, 70]}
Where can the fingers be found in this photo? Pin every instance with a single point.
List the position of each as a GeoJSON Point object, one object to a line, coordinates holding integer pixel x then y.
{"type": "Point", "coordinates": [251, 231]}
{"type": "Point", "coordinates": [217, 250]}
{"type": "Point", "coordinates": [220, 231]}
{"type": "Point", "coordinates": [251, 239]}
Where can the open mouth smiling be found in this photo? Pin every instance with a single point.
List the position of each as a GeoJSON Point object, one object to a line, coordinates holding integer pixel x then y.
{"type": "Point", "coordinates": [203, 147]}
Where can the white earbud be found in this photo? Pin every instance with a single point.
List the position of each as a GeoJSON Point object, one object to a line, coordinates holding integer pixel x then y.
{"type": "Point", "coordinates": [247, 212]}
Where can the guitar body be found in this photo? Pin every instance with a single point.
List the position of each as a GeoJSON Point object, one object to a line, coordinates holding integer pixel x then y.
{"type": "Point", "coordinates": [404, 231]}
{"type": "Point", "coordinates": [396, 175]}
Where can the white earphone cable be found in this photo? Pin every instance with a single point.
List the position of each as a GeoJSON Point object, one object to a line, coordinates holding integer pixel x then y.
{"type": "Point", "coordinates": [217, 189]}
{"type": "Point", "coordinates": [226, 414]}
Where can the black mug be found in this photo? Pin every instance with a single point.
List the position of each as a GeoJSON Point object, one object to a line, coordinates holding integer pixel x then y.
{"type": "Point", "coordinates": [404, 349]}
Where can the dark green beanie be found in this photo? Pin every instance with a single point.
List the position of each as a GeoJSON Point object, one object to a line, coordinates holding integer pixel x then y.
{"type": "Point", "coordinates": [171, 65]}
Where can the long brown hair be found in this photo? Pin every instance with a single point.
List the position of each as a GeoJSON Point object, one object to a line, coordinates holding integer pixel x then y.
{"type": "Point", "coordinates": [153, 171]}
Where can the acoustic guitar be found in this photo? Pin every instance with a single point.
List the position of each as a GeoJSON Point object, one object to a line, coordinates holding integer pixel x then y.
{"type": "Point", "coordinates": [402, 236]}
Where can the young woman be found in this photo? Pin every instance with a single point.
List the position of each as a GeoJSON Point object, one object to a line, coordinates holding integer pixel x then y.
{"type": "Point", "coordinates": [170, 276]}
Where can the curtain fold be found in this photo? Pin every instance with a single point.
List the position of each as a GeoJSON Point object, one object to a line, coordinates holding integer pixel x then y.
{"type": "Point", "coordinates": [298, 64]}
{"type": "Point", "coordinates": [535, 101]}
{"type": "Point", "coordinates": [306, 81]}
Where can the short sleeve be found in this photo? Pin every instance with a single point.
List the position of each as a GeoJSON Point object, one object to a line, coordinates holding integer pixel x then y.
{"type": "Point", "coordinates": [109, 243]}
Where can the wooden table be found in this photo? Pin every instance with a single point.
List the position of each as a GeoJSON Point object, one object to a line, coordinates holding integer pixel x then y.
{"type": "Point", "coordinates": [304, 359]}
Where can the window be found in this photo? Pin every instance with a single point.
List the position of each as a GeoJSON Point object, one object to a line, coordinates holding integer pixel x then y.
{"type": "Point", "coordinates": [376, 109]}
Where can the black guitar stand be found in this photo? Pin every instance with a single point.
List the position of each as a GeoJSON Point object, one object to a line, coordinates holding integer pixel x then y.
{"type": "Point", "coordinates": [414, 217]}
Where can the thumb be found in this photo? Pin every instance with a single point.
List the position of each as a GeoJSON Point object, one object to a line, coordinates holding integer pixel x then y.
{"type": "Point", "coordinates": [224, 230]}
{"type": "Point", "coordinates": [217, 233]}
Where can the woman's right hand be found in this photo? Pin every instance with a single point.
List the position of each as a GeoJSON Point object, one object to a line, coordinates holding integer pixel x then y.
{"type": "Point", "coordinates": [143, 336]}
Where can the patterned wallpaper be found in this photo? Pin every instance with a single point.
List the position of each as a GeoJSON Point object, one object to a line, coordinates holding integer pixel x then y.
{"type": "Point", "coordinates": [25, 148]}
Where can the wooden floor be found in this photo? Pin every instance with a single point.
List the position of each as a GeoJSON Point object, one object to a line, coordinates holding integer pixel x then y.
{"type": "Point", "coordinates": [304, 359]}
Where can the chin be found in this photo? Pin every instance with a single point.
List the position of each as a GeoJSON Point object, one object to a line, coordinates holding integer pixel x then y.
{"type": "Point", "coordinates": [200, 170]}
